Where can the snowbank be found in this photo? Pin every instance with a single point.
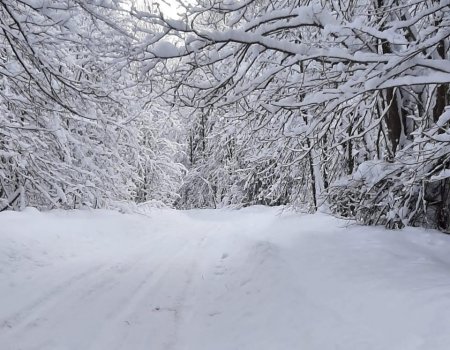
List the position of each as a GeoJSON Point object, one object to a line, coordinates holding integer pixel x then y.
{"type": "Point", "coordinates": [219, 280]}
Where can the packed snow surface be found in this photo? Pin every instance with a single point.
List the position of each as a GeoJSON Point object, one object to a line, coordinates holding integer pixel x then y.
{"type": "Point", "coordinates": [219, 280]}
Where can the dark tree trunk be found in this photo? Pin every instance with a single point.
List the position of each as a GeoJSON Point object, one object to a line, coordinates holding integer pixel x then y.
{"type": "Point", "coordinates": [443, 212]}
{"type": "Point", "coordinates": [393, 119]}
{"type": "Point", "coordinates": [394, 114]}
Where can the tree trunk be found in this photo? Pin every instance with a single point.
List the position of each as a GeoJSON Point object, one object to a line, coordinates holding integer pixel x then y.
{"type": "Point", "coordinates": [394, 113]}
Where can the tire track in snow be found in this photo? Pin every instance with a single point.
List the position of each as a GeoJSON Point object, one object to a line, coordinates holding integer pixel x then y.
{"type": "Point", "coordinates": [147, 303]}
{"type": "Point", "coordinates": [69, 297]}
{"type": "Point", "coordinates": [15, 320]}
{"type": "Point", "coordinates": [180, 301]}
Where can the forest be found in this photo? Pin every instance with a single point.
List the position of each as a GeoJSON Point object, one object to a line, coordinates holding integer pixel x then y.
{"type": "Point", "coordinates": [224, 174]}
{"type": "Point", "coordinates": [339, 106]}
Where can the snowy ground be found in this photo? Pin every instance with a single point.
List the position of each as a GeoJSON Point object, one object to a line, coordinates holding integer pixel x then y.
{"type": "Point", "coordinates": [219, 280]}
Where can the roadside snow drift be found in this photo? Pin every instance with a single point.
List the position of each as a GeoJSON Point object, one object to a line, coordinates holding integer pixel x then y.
{"type": "Point", "coordinates": [219, 280]}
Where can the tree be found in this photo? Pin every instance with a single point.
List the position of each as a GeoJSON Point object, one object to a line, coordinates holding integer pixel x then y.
{"type": "Point", "coordinates": [360, 98]}
{"type": "Point", "coordinates": [71, 106]}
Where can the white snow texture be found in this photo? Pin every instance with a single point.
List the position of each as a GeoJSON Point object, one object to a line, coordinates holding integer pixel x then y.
{"type": "Point", "coordinates": [219, 280]}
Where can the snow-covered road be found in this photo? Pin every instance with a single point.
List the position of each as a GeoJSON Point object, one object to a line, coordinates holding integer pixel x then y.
{"type": "Point", "coordinates": [219, 280]}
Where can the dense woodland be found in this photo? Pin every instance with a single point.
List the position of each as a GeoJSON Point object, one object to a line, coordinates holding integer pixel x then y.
{"type": "Point", "coordinates": [340, 105]}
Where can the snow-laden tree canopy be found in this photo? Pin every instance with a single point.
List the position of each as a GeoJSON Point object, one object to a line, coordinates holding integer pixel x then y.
{"type": "Point", "coordinates": [74, 126]}
{"type": "Point", "coordinates": [336, 104]}
{"type": "Point", "coordinates": [340, 103]}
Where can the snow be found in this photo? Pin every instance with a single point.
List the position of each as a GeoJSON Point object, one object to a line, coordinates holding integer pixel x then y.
{"type": "Point", "coordinates": [165, 49]}
{"type": "Point", "coordinates": [255, 278]}
{"type": "Point", "coordinates": [444, 174]}
{"type": "Point", "coordinates": [373, 171]}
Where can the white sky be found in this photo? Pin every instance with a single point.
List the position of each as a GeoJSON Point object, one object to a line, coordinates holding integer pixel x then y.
{"type": "Point", "coordinates": [169, 7]}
